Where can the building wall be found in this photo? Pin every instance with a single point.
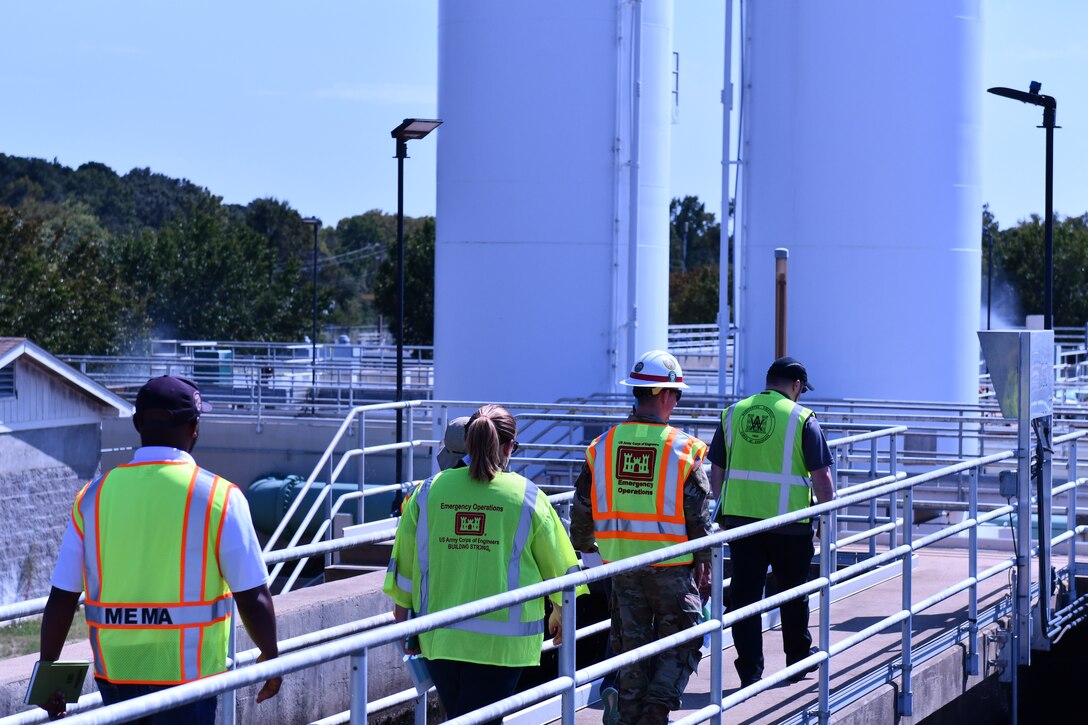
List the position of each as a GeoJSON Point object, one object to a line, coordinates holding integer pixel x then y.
{"type": "Point", "coordinates": [43, 399]}
{"type": "Point", "coordinates": [40, 473]}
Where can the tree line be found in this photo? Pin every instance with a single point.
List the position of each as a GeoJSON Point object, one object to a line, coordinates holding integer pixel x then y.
{"type": "Point", "coordinates": [100, 263]}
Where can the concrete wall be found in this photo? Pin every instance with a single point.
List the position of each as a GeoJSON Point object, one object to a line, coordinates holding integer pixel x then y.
{"type": "Point", "coordinates": [306, 695]}
{"type": "Point", "coordinates": [40, 473]}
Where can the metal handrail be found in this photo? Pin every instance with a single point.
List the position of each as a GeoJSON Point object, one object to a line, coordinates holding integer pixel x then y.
{"type": "Point", "coordinates": [356, 645]}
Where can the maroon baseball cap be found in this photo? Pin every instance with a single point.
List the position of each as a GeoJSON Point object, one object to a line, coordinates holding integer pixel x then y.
{"type": "Point", "coordinates": [168, 401]}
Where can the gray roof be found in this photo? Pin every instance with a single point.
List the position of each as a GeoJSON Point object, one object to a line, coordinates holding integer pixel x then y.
{"type": "Point", "coordinates": [13, 348]}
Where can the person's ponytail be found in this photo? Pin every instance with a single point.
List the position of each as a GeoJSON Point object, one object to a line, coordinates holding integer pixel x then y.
{"type": "Point", "coordinates": [489, 430]}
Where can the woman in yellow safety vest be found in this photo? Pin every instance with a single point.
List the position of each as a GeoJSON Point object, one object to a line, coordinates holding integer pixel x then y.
{"type": "Point", "coordinates": [470, 533]}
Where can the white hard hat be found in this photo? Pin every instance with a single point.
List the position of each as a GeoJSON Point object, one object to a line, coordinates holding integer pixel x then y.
{"type": "Point", "coordinates": [656, 369]}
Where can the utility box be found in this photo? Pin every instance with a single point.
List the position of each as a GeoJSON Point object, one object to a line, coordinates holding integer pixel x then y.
{"type": "Point", "coordinates": [213, 367]}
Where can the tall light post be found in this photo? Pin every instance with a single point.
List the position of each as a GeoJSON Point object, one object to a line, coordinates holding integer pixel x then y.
{"type": "Point", "coordinates": [989, 270]}
{"type": "Point", "coordinates": [316, 224]}
{"type": "Point", "coordinates": [1050, 110]}
{"type": "Point", "coordinates": [409, 129]}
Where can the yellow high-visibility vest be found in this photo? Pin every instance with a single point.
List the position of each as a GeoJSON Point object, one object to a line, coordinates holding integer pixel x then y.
{"type": "Point", "coordinates": [767, 474]}
{"type": "Point", "coordinates": [158, 608]}
{"type": "Point", "coordinates": [639, 470]}
{"type": "Point", "coordinates": [460, 540]}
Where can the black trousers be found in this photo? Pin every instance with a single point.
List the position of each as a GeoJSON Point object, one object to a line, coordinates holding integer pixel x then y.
{"type": "Point", "coordinates": [789, 557]}
{"type": "Point", "coordinates": [201, 712]}
{"type": "Point", "coordinates": [467, 686]}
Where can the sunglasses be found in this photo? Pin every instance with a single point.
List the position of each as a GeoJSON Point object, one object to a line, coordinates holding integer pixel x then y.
{"type": "Point", "coordinates": [515, 447]}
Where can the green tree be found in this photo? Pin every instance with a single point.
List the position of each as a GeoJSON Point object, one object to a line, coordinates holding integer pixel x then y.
{"type": "Point", "coordinates": [693, 296]}
{"type": "Point", "coordinates": [1019, 255]}
{"type": "Point", "coordinates": [59, 291]}
{"type": "Point", "coordinates": [418, 283]}
{"type": "Point", "coordinates": [694, 235]}
{"type": "Point", "coordinates": [356, 245]}
{"type": "Point", "coordinates": [203, 276]}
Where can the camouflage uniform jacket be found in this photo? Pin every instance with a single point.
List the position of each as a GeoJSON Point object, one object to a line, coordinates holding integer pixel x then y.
{"type": "Point", "coordinates": [696, 509]}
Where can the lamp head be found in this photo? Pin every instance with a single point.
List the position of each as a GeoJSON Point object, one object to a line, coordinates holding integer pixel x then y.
{"type": "Point", "coordinates": [414, 128]}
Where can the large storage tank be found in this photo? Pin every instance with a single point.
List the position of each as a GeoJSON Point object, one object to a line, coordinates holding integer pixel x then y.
{"type": "Point", "coordinates": [860, 147]}
{"type": "Point", "coordinates": [552, 240]}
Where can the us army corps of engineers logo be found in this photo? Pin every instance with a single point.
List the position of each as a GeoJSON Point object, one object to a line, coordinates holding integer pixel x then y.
{"type": "Point", "coordinates": [756, 424]}
{"type": "Point", "coordinates": [636, 467]}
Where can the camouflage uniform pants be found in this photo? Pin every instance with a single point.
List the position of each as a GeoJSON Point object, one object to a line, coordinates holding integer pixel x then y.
{"type": "Point", "coordinates": [648, 604]}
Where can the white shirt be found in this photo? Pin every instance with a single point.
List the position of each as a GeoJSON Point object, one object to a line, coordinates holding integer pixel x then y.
{"type": "Point", "coordinates": [240, 557]}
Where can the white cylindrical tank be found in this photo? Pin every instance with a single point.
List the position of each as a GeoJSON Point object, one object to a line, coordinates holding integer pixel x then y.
{"type": "Point", "coordinates": [859, 144]}
{"type": "Point", "coordinates": [551, 259]}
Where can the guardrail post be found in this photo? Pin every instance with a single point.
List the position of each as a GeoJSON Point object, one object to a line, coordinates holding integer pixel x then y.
{"type": "Point", "coordinates": [229, 701]}
{"type": "Point", "coordinates": [906, 695]}
{"type": "Point", "coordinates": [358, 688]}
{"type": "Point", "coordinates": [827, 568]}
{"type": "Point", "coordinates": [872, 501]}
{"type": "Point", "coordinates": [972, 572]}
{"type": "Point", "coordinates": [893, 468]}
{"type": "Point", "coordinates": [360, 471]}
{"type": "Point", "coordinates": [1071, 519]}
{"type": "Point", "coordinates": [566, 654]}
{"type": "Point", "coordinates": [411, 448]}
{"type": "Point", "coordinates": [717, 577]}
{"type": "Point", "coordinates": [421, 709]}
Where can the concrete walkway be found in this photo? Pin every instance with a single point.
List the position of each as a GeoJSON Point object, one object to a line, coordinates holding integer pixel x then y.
{"type": "Point", "coordinates": [936, 570]}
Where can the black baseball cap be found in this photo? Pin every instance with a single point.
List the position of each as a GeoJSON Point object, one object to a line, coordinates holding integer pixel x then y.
{"type": "Point", "coordinates": [788, 368]}
{"type": "Point", "coordinates": [168, 401]}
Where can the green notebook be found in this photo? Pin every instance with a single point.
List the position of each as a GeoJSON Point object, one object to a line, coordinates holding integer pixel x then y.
{"type": "Point", "coordinates": [48, 677]}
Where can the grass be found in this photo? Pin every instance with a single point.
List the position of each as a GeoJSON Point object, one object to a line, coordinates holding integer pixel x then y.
{"type": "Point", "coordinates": [22, 637]}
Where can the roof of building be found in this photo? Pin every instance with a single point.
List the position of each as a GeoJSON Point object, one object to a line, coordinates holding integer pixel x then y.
{"type": "Point", "coordinates": [13, 348]}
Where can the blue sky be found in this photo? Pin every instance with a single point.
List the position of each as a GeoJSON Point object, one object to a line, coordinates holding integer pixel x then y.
{"type": "Point", "coordinates": [296, 100]}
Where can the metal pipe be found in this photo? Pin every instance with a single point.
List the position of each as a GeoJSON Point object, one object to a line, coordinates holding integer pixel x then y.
{"type": "Point", "coordinates": [781, 263]}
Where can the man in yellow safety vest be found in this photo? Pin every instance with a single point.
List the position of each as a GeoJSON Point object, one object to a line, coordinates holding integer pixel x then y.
{"type": "Point", "coordinates": [773, 458]}
{"type": "Point", "coordinates": [163, 549]}
{"type": "Point", "coordinates": [642, 489]}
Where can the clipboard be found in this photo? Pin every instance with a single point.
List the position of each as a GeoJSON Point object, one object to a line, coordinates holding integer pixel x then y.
{"type": "Point", "coordinates": [48, 677]}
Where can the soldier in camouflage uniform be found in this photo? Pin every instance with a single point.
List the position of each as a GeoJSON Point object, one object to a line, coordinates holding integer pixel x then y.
{"type": "Point", "coordinates": [643, 455]}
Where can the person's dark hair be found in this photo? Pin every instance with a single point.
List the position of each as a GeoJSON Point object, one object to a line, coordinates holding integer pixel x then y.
{"type": "Point", "coordinates": [489, 429]}
{"type": "Point", "coordinates": [775, 381]}
{"type": "Point", "coordinates": [642, 393]}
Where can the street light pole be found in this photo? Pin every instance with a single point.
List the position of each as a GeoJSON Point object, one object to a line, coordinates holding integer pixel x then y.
{"type": "Point", "coordinates": [989, 271]}
{"type": "Point", "coordinates": [316, 224]}
{"type": "Point", "coordinates": [1050, 110]}
{"type": "Point", "coordinates": [409, 129]}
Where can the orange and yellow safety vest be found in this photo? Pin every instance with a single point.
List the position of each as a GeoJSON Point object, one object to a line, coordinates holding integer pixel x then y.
{"type": "Point", "coordinates": [158, 608]}
{"type": "Point", "coordinates": [638, 475]}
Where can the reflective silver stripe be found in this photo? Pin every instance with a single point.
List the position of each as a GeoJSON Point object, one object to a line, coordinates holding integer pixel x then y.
{"type": "Point", "coordinates": [789, 480]}
{"type": "Point", "coordinates": [139, 614]}
{"type": "Point", "coordinates": [421, 542]}
{"type": "Point", "coordinates": [600, 483]}
{"type": "Point", "coordinates": [521, 538]}
{"type": "Point", "coordinates": [96, 651]}
{"type": "Point", "coordinates": [672, 474]}
{"type": "Point", "coordinates": [787, 458]}
{"type": "Point", "coordinates": [190, 653]}
{"type": "Point", "coordinates": [504, 629]}
{"type": "Point", "coordinates": [729, 427]}
{"type": "Point", "coordinates": [196, 536]}
{"type": "Point", "coordinates": [403, 582]}
{"type": "Point", "coordinates": [89, 510]}
{"type": "Point", "coordinates": [645, 527]}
